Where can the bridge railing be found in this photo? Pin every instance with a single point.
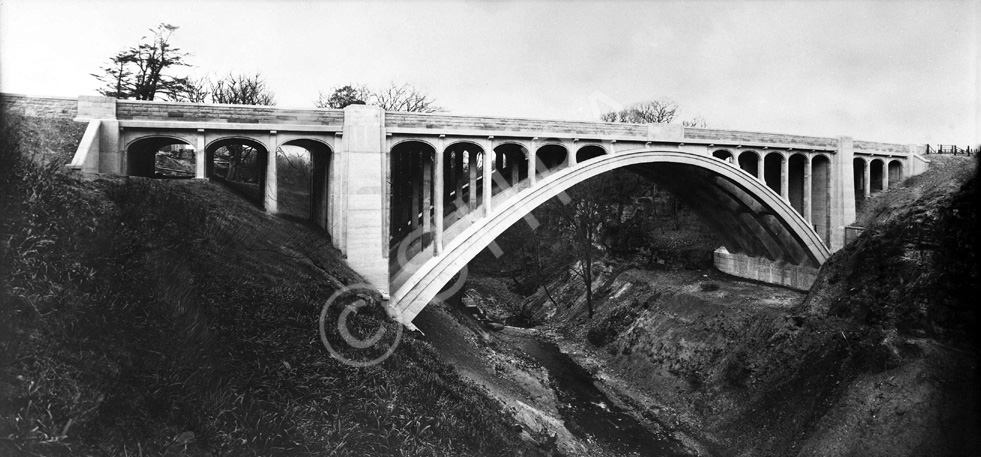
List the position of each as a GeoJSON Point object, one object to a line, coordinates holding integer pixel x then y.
{"type": "Point", "coordinates": [952, 149]}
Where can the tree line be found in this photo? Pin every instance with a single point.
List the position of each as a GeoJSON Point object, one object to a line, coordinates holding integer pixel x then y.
{"type": "Point", "coordinates": [149, 71]}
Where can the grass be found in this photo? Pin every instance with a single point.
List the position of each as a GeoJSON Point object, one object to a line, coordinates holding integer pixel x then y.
{"type": "Point", "coordinates": [144, 317]}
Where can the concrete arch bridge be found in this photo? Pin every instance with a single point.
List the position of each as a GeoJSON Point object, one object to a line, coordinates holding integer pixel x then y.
{"type": "Point", "coordinates": [410, 199]}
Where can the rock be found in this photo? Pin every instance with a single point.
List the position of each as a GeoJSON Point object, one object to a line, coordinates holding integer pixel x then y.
{"type": "Point", "coordinates": [495, 326]}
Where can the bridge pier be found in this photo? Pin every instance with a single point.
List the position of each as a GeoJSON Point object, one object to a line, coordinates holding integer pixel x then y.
{"type": "Point", "coordinates": [807, 189]}
{"type": "Point", "coordinates": [364, 198]}
{"type": "Point", "coordinates": [200, 156]}
{"type": "Point", "coordinates": [439, 185]}
{"type": "Point", "coordinates": [270, 193]}
{"type": "Point", "coordinates": [785, 177]}
{"type": "Point", "coordinates": [842, 201]}
{"type": "Point", "coordinates": [488, 185]}
{"type": "Point", "coordinates": [868, 179]}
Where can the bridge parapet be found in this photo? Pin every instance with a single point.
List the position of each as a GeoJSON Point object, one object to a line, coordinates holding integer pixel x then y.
{"type": "Point", "coordinates": [891, 149]}
{"type": "Point", "coordinates": [33, 106]}
{"type": "Point", "coordinates": [416, 122]}
{"type": "Point", "coordinates": [733, 137]}
{"type": "Point", "coordinates": [208, 112]}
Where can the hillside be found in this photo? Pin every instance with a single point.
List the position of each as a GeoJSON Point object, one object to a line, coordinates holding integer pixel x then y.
{"type": "Point", "coordinates": [879, 359]}
{"type": "Point", "coordinates": [945, 174]}
{"type": "Point", "coordinates": [151, 317]}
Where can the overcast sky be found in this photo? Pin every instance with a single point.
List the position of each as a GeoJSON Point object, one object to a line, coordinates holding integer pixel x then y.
{"type": "Point", "coordinates": [903, 72]}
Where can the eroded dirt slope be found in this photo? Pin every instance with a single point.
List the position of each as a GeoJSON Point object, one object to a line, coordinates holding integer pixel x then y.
{"type": "Point", "coordinates": [879, 359]}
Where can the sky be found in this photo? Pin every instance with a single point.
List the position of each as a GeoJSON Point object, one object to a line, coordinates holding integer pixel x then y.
{"type": "Point", "coordinates": [896, 71]}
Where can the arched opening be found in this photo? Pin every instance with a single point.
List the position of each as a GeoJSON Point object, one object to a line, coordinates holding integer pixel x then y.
{"type": "Point", "coordinates": [821, 196]}
{"type": "Point", "coordinates": [858, 178]}
{"type": "Point", "coordinates": [740, 209]}
{"type": "Point", "coordinates": [795, 182]}
{"type": "Point", "coordinates": [161, 157]}
{"type": "Point", "coordinates": [241, 164]}
{"type": "Point", "coordinates": [464, 179]}
{"type": "Point", "coordinates": [411, 197]}
{"type": "Point", "coordinates": [722, 155]}
{"type": "Point", "coordinates": [302, 174]}
{"type": "Point", "coordinates": [510, 166]}
{"type": "Point", "coordinates": [772, 170]}
{"type": "Point", "coordinates": [589, 152]}
{"type": "Point", "coordinates": [749, 161]}
{"type": "Point", "coordinates": [875, 175]}
{"type": "Point", "coordinates": [551, 158]}
{"type": "Point", "coordinates": [895, 172]}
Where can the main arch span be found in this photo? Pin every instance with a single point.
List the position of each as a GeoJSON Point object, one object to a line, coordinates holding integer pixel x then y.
{"type": "Point", "coordinates": [748, 215]}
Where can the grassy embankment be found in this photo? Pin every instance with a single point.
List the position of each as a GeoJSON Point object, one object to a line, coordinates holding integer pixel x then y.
{"type": "Point", "coordinates": [142, 317]}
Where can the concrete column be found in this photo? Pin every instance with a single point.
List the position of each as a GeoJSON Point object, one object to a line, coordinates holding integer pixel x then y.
{"type": "Point", "coordinates": [807, 189]}
{"type": "Point", "coordinates": [570, 147]}
{"type": "Point", "coordinates": [271, 189]}
{"type": "Point", "coordinates": [415, 197]}
{"type": "Point", "coordinates": [338, 200]}
{"type": "Point", "coordinates": [515, 172]}
{"type": "Point", "coordinates": [867, 183]}
{"type": "Point", "coordinates": [472, 168]}
{"type": "Point", "coordinates": [200, 157]}
{"type": "Point", "coordinates": [759, 167]}
{"type": "Point", "coordinates": [427, 197]}
{"type": "Point", "coordinates": [458, 176]}
{"type": "Point", "coordinates": [488, 190]}
{"type": "Point", "coordinates": [841, 210]}
{"type": "Point", "coordinates": [440, 190]}
{"type": "Point", "coordinates": [885, 174]}
{"type": "Point", "coordinates": [365, 239]}
{"type": "Point", "coordinates": [785, 177]}
{"type": "Point", "coordinates": [533, 162]}
{"type": "Point", "coordinates": [112, 152]}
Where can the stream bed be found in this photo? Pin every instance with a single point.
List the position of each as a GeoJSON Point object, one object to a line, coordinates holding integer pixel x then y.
{"type": "Point", "coordinates": [587, 410]}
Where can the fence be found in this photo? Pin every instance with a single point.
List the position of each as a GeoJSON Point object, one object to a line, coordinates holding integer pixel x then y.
{"type": "Point", "coordinates": [951, 149]}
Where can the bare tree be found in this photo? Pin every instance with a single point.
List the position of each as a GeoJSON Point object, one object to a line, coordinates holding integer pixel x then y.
{"type": "Point", "coordinates": [661, 111]}
{"type": "Point", "coordinates": [404, 98]}
{"type": "Point", "coordinates": [195, 91]}
{"type": "Point", "coordinates": [242, 89]}
{"type": "Point", "coordinates": [350, 94]}
{"type": "Point", "coordinates": [140, 72]}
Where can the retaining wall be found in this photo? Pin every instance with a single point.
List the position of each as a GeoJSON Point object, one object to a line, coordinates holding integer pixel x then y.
{"type": "Point", "coordinates": [763, 270]}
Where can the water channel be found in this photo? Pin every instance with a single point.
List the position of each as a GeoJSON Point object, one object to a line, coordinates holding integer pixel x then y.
{"type": "Point", "coordinates": [586, 410]}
